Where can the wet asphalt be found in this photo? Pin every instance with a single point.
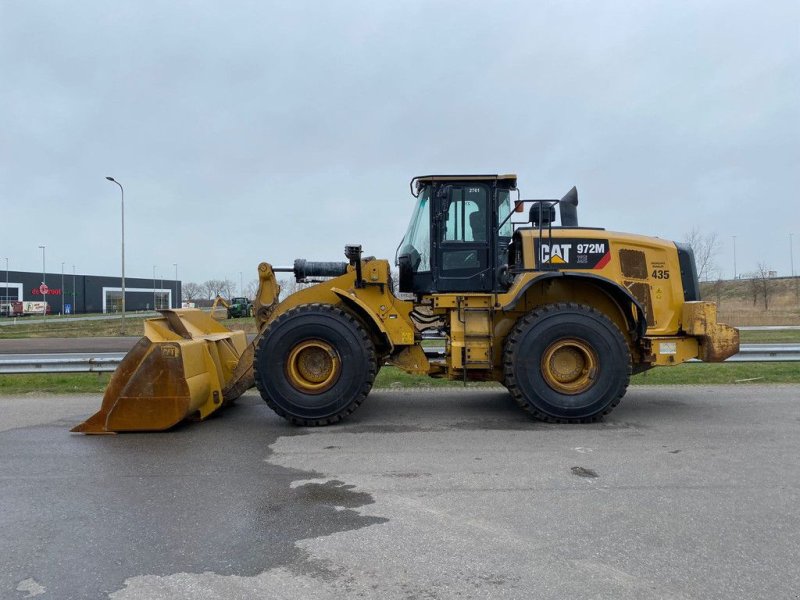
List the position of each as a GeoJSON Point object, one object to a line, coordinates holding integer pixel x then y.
{"type": "Point", "coordinates": [82, 511]}
{"type": "Point", "coordinates": [683, 492]}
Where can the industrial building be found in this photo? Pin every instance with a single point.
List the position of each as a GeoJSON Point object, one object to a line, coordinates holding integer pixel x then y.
{"type": "Point", "coordinates": [76, 294]}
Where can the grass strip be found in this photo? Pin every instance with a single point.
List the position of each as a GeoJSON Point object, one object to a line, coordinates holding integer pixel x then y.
{"type": "Point", "coordinates": [54, 383]}
{"type": "Point", "coordinates": [689, 373]}
{"type": "Point", "coordinates": [717, 373]}
{"type": "Point", "coordinates": [776, 336]}
{"type": "Point", "coordinates": [134, 326]}
{"type": "Point", "coordinates": [394, 378]}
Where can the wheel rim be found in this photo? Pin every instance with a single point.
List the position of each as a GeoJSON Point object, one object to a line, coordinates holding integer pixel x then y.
{"type": "Point", "coordinates": [569, 366]}
{"type": "Point", "coordinates": [313, 366]}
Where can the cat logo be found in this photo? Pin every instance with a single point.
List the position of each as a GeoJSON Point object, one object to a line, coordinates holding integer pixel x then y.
{"type": "Point", "coordinates": [170, 351]}
{"type": "Point", "coordinates": [555, 254]}
{"type": "Point", "coordinates": [573, 253]}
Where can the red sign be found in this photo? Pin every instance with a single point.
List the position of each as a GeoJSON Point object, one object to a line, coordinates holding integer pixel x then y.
{"type": "Point", "coordinates": [43, 290]}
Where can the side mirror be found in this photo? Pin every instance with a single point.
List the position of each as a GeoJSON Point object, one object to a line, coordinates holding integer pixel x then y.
{"type": "Point", "coordinates": [407, 262]}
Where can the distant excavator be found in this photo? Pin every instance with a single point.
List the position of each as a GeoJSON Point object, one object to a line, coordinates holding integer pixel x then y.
{"type": "Point", "coordinates": [236, 308]}
{"type": "Point", "coordinates": [561, 315]}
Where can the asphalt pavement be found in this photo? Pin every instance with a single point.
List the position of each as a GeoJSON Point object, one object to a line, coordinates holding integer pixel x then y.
{"type": "Point", "coordinates": [683, 492]}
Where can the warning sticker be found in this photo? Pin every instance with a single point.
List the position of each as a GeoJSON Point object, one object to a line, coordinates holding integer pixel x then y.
{"type": "Point", "coordinates": [668, 348]}
{"type": "Point", "coordinates": [573, 253]}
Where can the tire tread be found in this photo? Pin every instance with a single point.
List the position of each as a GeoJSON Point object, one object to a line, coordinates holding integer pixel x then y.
{"type": "Point", "coordinates": [521, 327]}
{"type": "Point", "coordinates": [365, 338]}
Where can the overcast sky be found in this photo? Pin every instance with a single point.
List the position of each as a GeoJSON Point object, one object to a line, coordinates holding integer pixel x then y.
{"type": "Point", "coordinates": [250, 131]}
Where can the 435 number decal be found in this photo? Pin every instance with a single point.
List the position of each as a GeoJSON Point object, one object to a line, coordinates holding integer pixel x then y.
{"type": "Point", "coordinates": [660, 274]}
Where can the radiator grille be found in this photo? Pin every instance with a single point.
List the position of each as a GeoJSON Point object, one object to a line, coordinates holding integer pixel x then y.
{"type": "Point", "coordinates": [633, 264]}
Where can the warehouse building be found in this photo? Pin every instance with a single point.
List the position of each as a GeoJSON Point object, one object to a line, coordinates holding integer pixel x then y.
{"type": "Point", "coordinates": [77, 294]}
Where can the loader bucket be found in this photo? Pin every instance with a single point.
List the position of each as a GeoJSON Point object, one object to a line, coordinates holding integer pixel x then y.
{"type": "Point", "coordinates": [186, 367]}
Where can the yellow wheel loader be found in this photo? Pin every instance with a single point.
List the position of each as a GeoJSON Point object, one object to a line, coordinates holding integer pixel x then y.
{"type": "Point", "coordinates": [560, 314]}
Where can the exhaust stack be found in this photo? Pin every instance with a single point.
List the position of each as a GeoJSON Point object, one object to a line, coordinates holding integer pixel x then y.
{"type": "Point", "coordinates": [568, 206]}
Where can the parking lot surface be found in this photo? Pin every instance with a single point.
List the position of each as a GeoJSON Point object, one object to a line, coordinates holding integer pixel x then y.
{"type": "Point", "coordinates": [683, 492]}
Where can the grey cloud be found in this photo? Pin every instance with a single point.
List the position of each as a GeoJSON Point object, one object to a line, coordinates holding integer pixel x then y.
{"type": "Point", "coordinates": [268, 131]}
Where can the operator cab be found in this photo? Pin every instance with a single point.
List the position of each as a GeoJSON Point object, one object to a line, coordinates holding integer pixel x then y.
{"type": "Point", "coordinates": [460, 234]}
{"type": "Point", "coordinates": [457, 240]}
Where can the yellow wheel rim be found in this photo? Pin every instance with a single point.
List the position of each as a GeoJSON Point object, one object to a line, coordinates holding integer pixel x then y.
{"type": "Point", "coordinates": [313, 366]}
{"type": "Point", "coordinates": [569, 366]}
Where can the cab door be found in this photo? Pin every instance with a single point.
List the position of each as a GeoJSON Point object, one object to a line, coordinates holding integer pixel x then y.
{"type": "Point", "coordinates": [462, 231]}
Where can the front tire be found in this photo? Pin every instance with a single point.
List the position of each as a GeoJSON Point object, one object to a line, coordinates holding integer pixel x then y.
{"type": "Point", "coordinates": [567, 363]}
{"type": "Point", "coordinates": [315, 364]}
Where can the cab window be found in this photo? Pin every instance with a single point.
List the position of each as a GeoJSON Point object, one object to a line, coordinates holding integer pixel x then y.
{"type": "Point", "coordinates": [466, 215]}
{"type": "Point", "coordinates": [503, 210]}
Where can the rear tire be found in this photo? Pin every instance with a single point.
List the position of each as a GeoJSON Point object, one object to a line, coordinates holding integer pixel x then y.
{"type": "Point", "coordinates": [566, 363]}
{"type": "Point", "coordinates": [315, 364]}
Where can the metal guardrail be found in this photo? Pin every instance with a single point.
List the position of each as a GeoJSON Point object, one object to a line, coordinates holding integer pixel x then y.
{"type": "Point", "coordinates": [60, 363]}
{"type": "Point", "coordinates": [768, 327]}
{"type": "Point", "coordinates": [108, 362]}
{"type": "Point", "coordinates": [766, 353]}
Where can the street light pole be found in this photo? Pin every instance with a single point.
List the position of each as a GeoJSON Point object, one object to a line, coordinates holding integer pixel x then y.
{"type": "Point", "coordinates": [734, 256]}
{"type": "Point", "coordinates": [42, 248]}
{"type": "Point", "coordinates": [154, 287]}
{"type": "Point", "coordinates": [176, 284]}
{"type": "Point", "coordinates": [62, 289]}
{"type": "Point", "coordinates": [241, 284]}
{"type": "Point", "coordinates": [74, 307]}
{"type": "Point", "coordinates": [44, 282]}
{"type": "Point", "coordinates": [7, 300]}
{"type": "Point", "coordinates": [791, 262]}
{"type": "Point", "coordinates": [122, 197]}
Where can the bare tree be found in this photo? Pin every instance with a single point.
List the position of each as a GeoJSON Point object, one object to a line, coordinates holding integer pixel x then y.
{"type": "Point", "coordinates": [228, 288]}
{"type": "Point", "coordinates": [706, 248]}
{"type": "Point", "coordinates": [753, 286]}
{"type": "Point", "coordinates": [717, 289]}
{"type": "Point", "coordinates": [191, 291]}
{"type": "Point", "coordinates": [290, 286]}
{"type": "Point", "coordinates": [213, 288]}
{"type": "Point", "coordinates": [765, 282]}
{"type": "Point", "coordinates": [251, 289]}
